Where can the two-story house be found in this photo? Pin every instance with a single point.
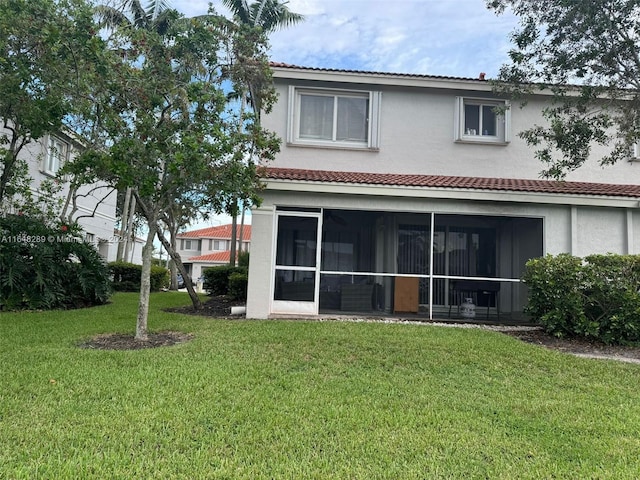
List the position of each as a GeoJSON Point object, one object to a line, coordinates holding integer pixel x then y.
{"type": "Point", "coordinates": [210, 246]}
{"type": "Point", "coordinates": [93, 206]}
{"type": "Point", "coordinates": [404, 194]}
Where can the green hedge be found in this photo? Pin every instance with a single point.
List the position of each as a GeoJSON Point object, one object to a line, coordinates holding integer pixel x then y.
{"type": "Point", "coordinates": [595, 297]}
{"type": "Point", "coordinates": [48, 267]}
{"type": "Point", "coordinates": [126, 277]}
{"type": "Point", "coordinates": [216, 279]}
{"type": "Point", "coordinates": [238, 285]}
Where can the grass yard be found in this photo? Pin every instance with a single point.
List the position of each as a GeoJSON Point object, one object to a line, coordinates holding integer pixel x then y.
{"type": "Point", "coordinates": [304, 400]}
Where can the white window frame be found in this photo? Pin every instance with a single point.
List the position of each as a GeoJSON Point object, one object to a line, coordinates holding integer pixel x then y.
{"type": "Point", "coordinates": [373, 132]}
{"type": "Point", "coordinates": [55, 156]}
{"type": "Point", "coordinates": [503, 126]}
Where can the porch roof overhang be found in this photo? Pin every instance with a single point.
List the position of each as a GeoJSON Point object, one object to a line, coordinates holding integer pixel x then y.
{"type": "Point", "coordinates": [453, 187]}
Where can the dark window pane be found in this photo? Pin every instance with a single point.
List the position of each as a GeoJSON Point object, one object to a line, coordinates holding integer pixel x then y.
{"type": "Point", "coordinates": [297, 238]}
{"type": "Point", "coordinates": [488, 120]}
{"type": "Point", "coordinates": [472, 119]}
{"type": "Point", "coordinates": [294, 285]}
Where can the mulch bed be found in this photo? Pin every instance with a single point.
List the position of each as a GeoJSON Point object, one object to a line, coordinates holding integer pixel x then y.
{"type": "Point", "coordinates": [217, 306]}
{"type": "Point", "coordinates": [123, 341]}
{"type": "Point", "coordinates": [575, 345]}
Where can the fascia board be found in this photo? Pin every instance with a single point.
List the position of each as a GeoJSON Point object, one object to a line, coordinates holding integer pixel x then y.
{"type": "Point", "coordinates": [400, 80]}
{"type": "Point", "coordinates": [453, 194]}
{"type": "Point", "coordinates": [385, 80]}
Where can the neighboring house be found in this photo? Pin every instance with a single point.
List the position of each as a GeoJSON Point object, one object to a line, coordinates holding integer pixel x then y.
{"type": "Point", "coordinates": [93, 206]}
{"type": "Point", "coordinates": [208, 247]}
{"type": "Point", "coordinates": [402, 193]}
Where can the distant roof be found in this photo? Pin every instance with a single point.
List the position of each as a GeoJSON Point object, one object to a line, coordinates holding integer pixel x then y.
{"type": "Point", "coordinates": [365, 72]}
{"type": "Point", "coordinates": [441, 181]}
{"type": "Point", "coordinates": [219, 231]}
{"type": "Point", "coordinates": [217, 257]}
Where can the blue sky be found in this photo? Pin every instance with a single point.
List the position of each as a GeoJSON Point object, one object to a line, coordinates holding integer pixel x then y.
{"type": "Point", "coordinates": [437, 37]}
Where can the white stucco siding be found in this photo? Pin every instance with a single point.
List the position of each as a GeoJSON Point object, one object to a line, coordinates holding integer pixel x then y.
{"type": "Point", "coordinates": [95, 204]}
{"type": "Point", "coordinates": [557, 229]}
{"type": "Point", "coordinates": [417, 137]}
{"type": "Point", "coordinates": [601, 230]}
{"type": "Point", "coordinates": [260, 275]}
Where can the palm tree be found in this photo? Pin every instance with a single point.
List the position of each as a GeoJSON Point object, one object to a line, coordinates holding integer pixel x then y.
{"type": "Point", "coordinates": [270, 15]}
{"type": "Point", "coordinates": [131, 13]}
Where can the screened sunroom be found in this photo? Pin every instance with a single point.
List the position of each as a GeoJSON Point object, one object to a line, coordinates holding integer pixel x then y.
{"type": "Point", "coordinates": [332, 261]}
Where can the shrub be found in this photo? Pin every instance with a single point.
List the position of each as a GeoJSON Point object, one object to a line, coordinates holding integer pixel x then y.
{"type": "Point", "coordinates": [48, 267]}
{"type": "Point", "coordinates": [597, 298]}
{"type": "Point", "coordinates": [238, 285]}
{"type": "Point", "coordinates": [555, 298]}
{"type": "Point", "coordinates": [243, 259]}
{"type": "Point", "coordinates": [216, 279]}
{"type": "Point", "coordinates": [126, 277]}
{"type": "Point", "coordinates": [612, 298]}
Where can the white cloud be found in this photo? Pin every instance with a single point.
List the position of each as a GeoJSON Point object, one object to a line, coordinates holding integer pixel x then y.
{"type": "Point", "coordinates": [437, 37]}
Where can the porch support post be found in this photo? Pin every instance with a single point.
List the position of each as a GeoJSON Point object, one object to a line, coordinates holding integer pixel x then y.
{"type": "Point", "coordinates": [432, 235]}
{"type": "Point", "coordinates": [574, 230]}
{"type": "Point", "coordinates": [630, 245]}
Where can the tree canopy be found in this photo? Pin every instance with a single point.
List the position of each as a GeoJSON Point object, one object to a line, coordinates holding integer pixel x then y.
{"type": "Point", "coordinates": [172, 133]}
{"type": "Point", "coordinates": [147, 97]}
{"type": "Point", "coordinates": [587, 54]}
{"type": "Point", "coordinates": [49, 61]}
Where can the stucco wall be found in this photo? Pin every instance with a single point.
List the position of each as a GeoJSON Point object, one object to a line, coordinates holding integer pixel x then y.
{"type": "Point", "coordinates": [260, 277]}
{"type": "Point", "coordinates": [96, 207]}
{"type": "Point", "coordinates": [417, 136]}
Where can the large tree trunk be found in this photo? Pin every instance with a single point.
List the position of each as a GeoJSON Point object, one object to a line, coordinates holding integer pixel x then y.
{"type": "Point", "coordinates": [145, 283]}
{"type": "Point", "coordinates": [195, 299]}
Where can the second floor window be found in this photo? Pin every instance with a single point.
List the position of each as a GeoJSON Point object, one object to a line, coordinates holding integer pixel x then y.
{"type": "Point", "coordinates": [190, 244]}
{"type": "Point", "coordinates": [55, 157]}
{"type": "Point", "coordinates": [323, 117]}
{"type": "Point", "coordinates": [482, 120]}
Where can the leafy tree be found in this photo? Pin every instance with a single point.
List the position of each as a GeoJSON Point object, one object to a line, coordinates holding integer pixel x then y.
{"type": "Point", "coordinates": [260, 16]}
{"type": "Point", "coordinates": [131, 14]}
{"type": "Point", "coordinates": [50, 58]}
{"type": "Point", "coordinates": [587, 54]}
{"type": "Point", "coordinates": [170, 133]}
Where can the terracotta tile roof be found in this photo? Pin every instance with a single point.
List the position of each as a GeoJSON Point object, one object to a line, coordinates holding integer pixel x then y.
{"type": "Point", "coordinates": [216, 257]}
{"type": "Point", "coordinates": [218, 232]}
{"type": "Point", "coordinates": [404, 75]}
{"type": "Point", "coordinates": [440, 181]}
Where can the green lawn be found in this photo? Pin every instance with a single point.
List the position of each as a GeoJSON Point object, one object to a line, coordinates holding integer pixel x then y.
{"type": "Point", "coordinates": [304, 400]}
